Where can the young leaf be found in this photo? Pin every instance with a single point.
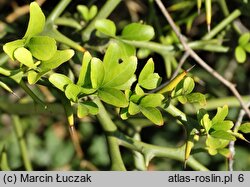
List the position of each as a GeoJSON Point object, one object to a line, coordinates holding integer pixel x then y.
{"type": "Point", "coordinates": [245, 128]}
{"type": "Point", "coordinates": [32, 77]}
{"type": "Point", "coordinates": [147, 78]}
{"type": "Point", "coordinates": [122, 73]}
{"type": "Point", "coordinates": [84, 77]}
{"type": "Point", "coordinates": [247, 47]}
{"type": "Point", "coordinates": [188, 85]}
{"type": "Point", "coordinates": [127, 85]}
{"type": "Point", "coordinates": [97, 72]}
{"type": "Point", "coordinates": [220, 134]}
{"type": "Point", "coordinates": [216, 143]}
{"type": "Point", "coordinates": [153, 114]}
{"type": "Point", "coordinates": [24, 56]}
{"type": "Point", "coordinates": [124, 113]}
{"type": "Point", "coordinates": [106, 27]}
{"type": "Point", "coordinates": [223, 125]}
{"type": "Point", "coordinates": [244, 39]}
{"type": "Point", "coordinates": [138, 31]}
{"type": "Point", "coordinates": [42, 47]}
{"type": "Point", "coordinates": [196, 97]}
{"type": "Point", "coordinates": [10, 47]}
{"type": "Point", "coordinates": [220, 115]}
{"type": "Point", "coordinates": [91, 106]}
{"type": "Point", "coordinates": [152, 100]}
{"type": "Point", "coordinates": [138, 90]}
{"type": "Point", "coordinates": [240, 54]}
{"type": "Point", "coordinates": [113, 96]}
{"type": "Point", "coordinates": [36, 21]}
{"type": "Point", "coordinates": [60, 81]}
{"type": "Point", "coordinates": [92, 12]}
{"type": "Point", "coordinates": [133, 108]}
{"type": "Point", "coordinates": [125, 50]}
{"type": "Point", "coordinates": [206, 123]}
{"type": "Point", "coordinates": [59, 58]}
{"type": "Point", "coordinates": [84, 11]}
{"type": "Point", "coordinates": [72, 91]}
{"type": "Point", "coordinates": [82, 110]}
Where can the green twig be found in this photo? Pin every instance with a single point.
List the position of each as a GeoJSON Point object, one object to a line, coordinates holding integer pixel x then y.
{"type": "Point", "coordinates": [219, 27]}
{"type": "Point", "coordinates": [21, 142]}
{"type": "Point", "coordinates": [106, 10]}
{"type": "Point", "coordinates": [110, 129]}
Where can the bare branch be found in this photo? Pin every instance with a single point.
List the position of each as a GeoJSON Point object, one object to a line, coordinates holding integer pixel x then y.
{"type": "Point", "coordinates": [199, 60]}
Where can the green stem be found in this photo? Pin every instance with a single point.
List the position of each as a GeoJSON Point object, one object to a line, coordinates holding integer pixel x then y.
{"type": "Point", "coordinates": [224, 23]}
{"type": "Point", "coordinates": [31, 94]}
{"type": "Point", "coordinates": [158, 151]}
{"type": "Point", "coordinates": [110, 129]}
{"type": "Point", "coordinates": [106, 10]}
{"type": "Point", "coordinates": [22, 144]}
{"type": "Point", "coordinates": [58, 10]}
{"type": "Point", "coordinates": [163, 49]}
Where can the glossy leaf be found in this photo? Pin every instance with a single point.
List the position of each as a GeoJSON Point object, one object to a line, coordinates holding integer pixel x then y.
{"type": "Point", "coordinates": [223, 125]}
{"type": "Point", "coordinates": [153, 114]}
{"type": "Point", "coordinates": [147, 78]}
{"type": "Point", "coordinates": [36, 21]}
{"type": "Point", "coordinates": [152, 100]}
{"type": "Point", "coordinates": [245, 128]}
{"type": "Point", "coordinates": [106, 27]}
{"type": "Point", "coordinates": [220, 115]}
{"type": "Point", "coordinates": [92, 12]}
{"type": "Point", "coordinates": [72, 92]}
{"type": "Point", "coordinates": [113, 96]}
{"type": "Point", "coordinates": [84, 77]}
{"type": "Point", "coordinates": [188, 85]}
{"type": "Point", "coordinates": [24, 56]}
{"type": "Point", "coordinates": [196, 97]}
{"type": "Point", "coordinates": [240, 54]}
{"type": "Point", "coordinates": [60, 81]}
{"type": "Point", "coordinates": [125, 50]}
{"type": "Point", "coordinates": [82, 110]}
{"type": "Point", "coordinates": [244, 39]}
{"type": "Point", "coordinates": [42, 47]}
{"type": "Point", "coordinates": [223, 135]}
{"type": "Point", "coordinates": [127, 85]}
{"type": "Point", "coordinates": [97, 72]}
{"type": "Point", "coordinates": [32, 77]}
{"type": "Point", "coordinates": [138, 31]}
{"type": "Point", "coordinates": [10, 47]}
{"type": "Point", "coordinates": [138, 90]}
{"type": "Point", "coordinates": [122, 73]}
{"type": "Point", "coordinates": [206, 122]}
{"type": "Point", "coordinates": [133, 108]}
{"type": "Point", "coordinates": [59, 58]}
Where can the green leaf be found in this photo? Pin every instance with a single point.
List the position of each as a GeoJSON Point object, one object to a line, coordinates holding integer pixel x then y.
{"type": "Point", "coordinates": [188, 85]}
{"type": "Point", "coordinates": [84, 11]}
{"type": "Point", "coordinates": [122, 73]}
{"type": "Point", "coordinates": [240, 54]}
{"type": "Point", "coordinates": [152, 100]}
{"type": "Point", "coordinates": [147, 78]}
{"type": "Point", "coordinates": [72, 92]}
{"type": "Point", "coordinates": [182, 99]}
{"type": "Point", "coordinates": [4, 165]}
{"type": "Point", "coordinates": [106, 27]}
{"type": "Point", "coordinates": [223, 135]}
{"type": "Point", "coordinates": [36, 21]}
{"type": "Point", "coordinates": [60, 81]}
{"type": "Point", "coordinates": [32, 77]}
{"type": "Point", "coordinates": [59, 58]}
{"type": "Point", "coordinates": [245, 128]}
{"type": "Point", "coordinates": [24, 56]}
{"type": "Point", "coordinates": [42, 47]}
{"type": "Point", "coordinates": [6, 87]}
{"type": "Point", "coordinates": [220, 115]}
{"type": "Point", "coordinates": [127, 85]}
{"type": "Point", "coordinates": [247, 47]}
{"type": "Point", "coordinates": [244, 39]}
{"type": "Point", "coordinates": [113, 96]}
{"type": "Point", "coordinates": [200, 114]}
{"type": "Point", "coordinates": [125, 50]}
{"type": "Point", "coordinates": [10, 47]}
{"type": "Point", "coordinates": [138, 90]}
{"type": "Point", "coordinates": [225, 152]}
{"type": "Point", "coordinates": [133, 108]}
{"type": "Point", "coordinates": [82, 110]}
{"type": "Point", "coordinates": [196, 97]}
{"type": "Point", "coordinates": [223, 125]}
{"type": "Point", "coordinates": [84, 77]}
{"type": "Point", "coordinates": [97, 72]}
{"type": "Point", "coordinates": [138, 31]}
{"type": "Point", "coordinates": [216, 143]}
{"type": "Point", "coordinates": [17, 75]}
{"type": "Point", "coordinates": [206, 123]}
{"type": "Point", "coordinates": [92, 12]}
{"type": "Point", "coordinates": [124, 113]}
{"type": "Point", "coordinates": [153, 114]}
{"type": "Point", "coordinates": [91, 106]}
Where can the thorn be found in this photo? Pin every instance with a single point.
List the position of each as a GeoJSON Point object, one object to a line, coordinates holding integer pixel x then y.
{"type": "Point", "coordinates": [185, 164]}
{"type": "Point", "coordinates": [199, 11]}
{"type": "Point", "coordinates": [16, 95]}
{"type": "Point", "coordinates": [189, 69]}
{"type": "Point", "coordinates": [208, 27]}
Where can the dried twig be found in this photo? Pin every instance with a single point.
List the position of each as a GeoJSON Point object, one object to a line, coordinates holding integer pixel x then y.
{"type": "Point", "coordinates": [182, 61]}
{"type": "Point", "coordinates": [199, 60]}
{"type": "Point", "coordinates": [20, 11]}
